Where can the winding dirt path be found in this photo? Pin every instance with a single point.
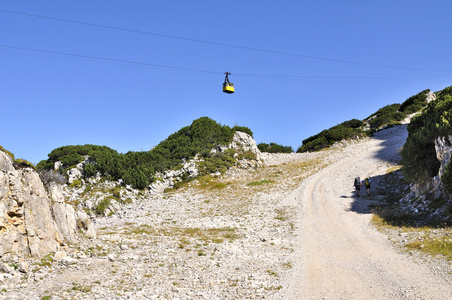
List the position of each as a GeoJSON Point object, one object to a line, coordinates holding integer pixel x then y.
{"type": "Point", "coordinates": [339, 254]}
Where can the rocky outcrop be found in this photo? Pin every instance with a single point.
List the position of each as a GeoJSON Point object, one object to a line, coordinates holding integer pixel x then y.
{"type": "Point", "coordinates": [104, 197]}
{"type": "Point", "coordinates": [443, 147]}
{"type": "Point", "coordinates": [241, 142]}
{"type": "Point", "coordinates": [169, 178]}
{"type": "Point", "coordinates": [422, 195]}
{"type": "Point", "coordinates": [26, 223]}
{"type": "Point", "coordinates": [67, 218]}
{"type": "Point", "coordinates": [31, 223]}
{"type": "Point", "coordinates": [431, 96]}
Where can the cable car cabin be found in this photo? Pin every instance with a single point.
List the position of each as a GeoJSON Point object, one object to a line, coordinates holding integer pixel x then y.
{"type": "Point", "coordinates": [228, 87]}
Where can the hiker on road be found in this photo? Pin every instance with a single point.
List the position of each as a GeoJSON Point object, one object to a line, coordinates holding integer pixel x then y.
{"type": "Point", "coordinates": [357, 185]}
{"type": "Point", "coordinates": [367, 183]}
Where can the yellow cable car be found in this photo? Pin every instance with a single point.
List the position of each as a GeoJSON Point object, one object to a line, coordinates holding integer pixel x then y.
{"type": "Point", "coordinates": [227, 86]}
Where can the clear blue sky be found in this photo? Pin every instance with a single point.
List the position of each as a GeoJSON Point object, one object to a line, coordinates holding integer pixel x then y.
{"type": "Point", "coordinates": [298, 67]}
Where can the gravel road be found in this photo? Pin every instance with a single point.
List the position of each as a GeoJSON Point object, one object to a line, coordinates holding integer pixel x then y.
{"type": "Point", "coordinates": [339, 254]}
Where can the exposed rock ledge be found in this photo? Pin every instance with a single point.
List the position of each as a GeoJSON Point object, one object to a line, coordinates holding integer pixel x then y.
{"type": "Point", "coordinates": [30, 222]}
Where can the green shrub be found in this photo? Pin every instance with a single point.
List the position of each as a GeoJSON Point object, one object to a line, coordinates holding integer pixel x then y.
{"type": "Point", "coordinates": [90, 170]}
{"type": "Point", "coordinates": [346, 130]}
{"type": "Point", "coordinates": [418, 153]}
{"type": "Point", "coordinates": [76, 183]}
{"type": "Point", "coordinates": [102, 206]}
{"type": "Point", "coordinates": [138, 168]}
{"type": "Point", "coordinates": [386, 115]}
{"type": "Point", "coordinates": [72, 159]}
{"type": "Point", "coordinates": [414, 103]}
{"type": "Point", "coordinates": [353, 123]}
{"type": "Point", "coordinates": [247, 155]}
{"type": "Point", "coordinates": [274, 148]}
{"type": "Point", "coordinates": [24, 163]}
{"type": "Point", "coordinates": [217, 163]}
{"type": "Point", "coordinates": [116, 192]}
{"type": "Point", "coordinates": [242, 129]}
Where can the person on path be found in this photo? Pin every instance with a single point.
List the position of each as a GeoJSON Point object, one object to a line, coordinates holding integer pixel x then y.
{"type": "Point", "coordinates": [367, 183]}
{"type": "Point", "coordinates": [357, 185]}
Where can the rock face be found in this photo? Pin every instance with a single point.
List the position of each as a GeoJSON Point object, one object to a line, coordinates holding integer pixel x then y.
{"type": "Point", "coordinates": [30, 222]}
{"type": "Point", "coordinates": [431, 96]}
{"type": "Point", "coordinates": [422, 194]}
{"type": "Point", "coordinates": [26, 223]}
{"type": "Point", "coordinates": [443, 151]}
{"type": "Point", "coordinates": [244, 141]}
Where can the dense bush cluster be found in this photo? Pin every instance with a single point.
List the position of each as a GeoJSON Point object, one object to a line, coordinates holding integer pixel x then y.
{"type": "Point", "coordinates": [414, 103]}
{"type": "Point", "coordinates": [242, 129]}
{"type": "Point", "coordinates": [418, 153]}
{"type": "Point", "coordinates": [394, 113]}
{"type": "Point", "coordinates": [345, 130]}
{"type": "Point", "coordinates": [274, 148]}
{"type": "Point", "coordinates": [138, 168]}
{"type": "Point", "coordinates": [387, 115]}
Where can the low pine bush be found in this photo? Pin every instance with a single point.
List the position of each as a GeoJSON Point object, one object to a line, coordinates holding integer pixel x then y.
{"type": "Point", "coordinates": [138, 168]}
{"type": "Point", "coordinates": [274, 148]}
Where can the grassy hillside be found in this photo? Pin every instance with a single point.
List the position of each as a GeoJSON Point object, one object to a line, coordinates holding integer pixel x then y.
{"type": "Point", "coordinates": [346, 130]}
{"type": "Point", "coordinates": [139, 168]}
{"type": "Point", "coordinates": [386, 116]}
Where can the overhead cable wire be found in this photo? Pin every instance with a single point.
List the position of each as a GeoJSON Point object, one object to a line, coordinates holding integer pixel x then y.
{"type": "Point", "coordinates": [109, 59]}
{"type": "Point", "coordinates": [217, 43]}
{"type": "Point", "coordinates": [208, 71]}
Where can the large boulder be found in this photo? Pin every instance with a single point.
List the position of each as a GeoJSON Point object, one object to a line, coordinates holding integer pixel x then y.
{"type": "Point", "coordinates": [243, 141]}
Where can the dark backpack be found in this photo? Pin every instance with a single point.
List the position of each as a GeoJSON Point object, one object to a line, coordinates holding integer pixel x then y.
{"type": "Point", "coordinates": [357, 181]}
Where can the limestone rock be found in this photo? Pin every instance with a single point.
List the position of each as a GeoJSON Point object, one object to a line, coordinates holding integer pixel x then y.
{"type": "Point", "coordinates": [85, 223]}
{"type": "Point", "coordinates": [443, 151]}
{"type": "Point", "coordinates": [5, 268]}
{"type": "Point", "coordinates": [73, 174]}
{"type": "Point", "coordinates": [243, 141]}
{"type": "Point", "coordinates": [23, 267]}
{"type": "Point", "coordinates": [67, 260]}
{"type": "Point", "coordinates": [59, 255]}
{"type": "Point", "coordinates": [30, 222]}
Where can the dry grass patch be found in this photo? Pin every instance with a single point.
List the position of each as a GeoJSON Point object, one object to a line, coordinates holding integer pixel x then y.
{"type": "Point", "coordinates": [207, 236]}
{"type": "Point", "coordinates": [282, 214]}
{"type": "Point", "coordinates": [433, 245]}
{"type": "Point", "coordinates": [256, 183]}
{"type": "Point", "coordinates": [213, 235]}
{"type": "Point", "coordinates": [432, 241]}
